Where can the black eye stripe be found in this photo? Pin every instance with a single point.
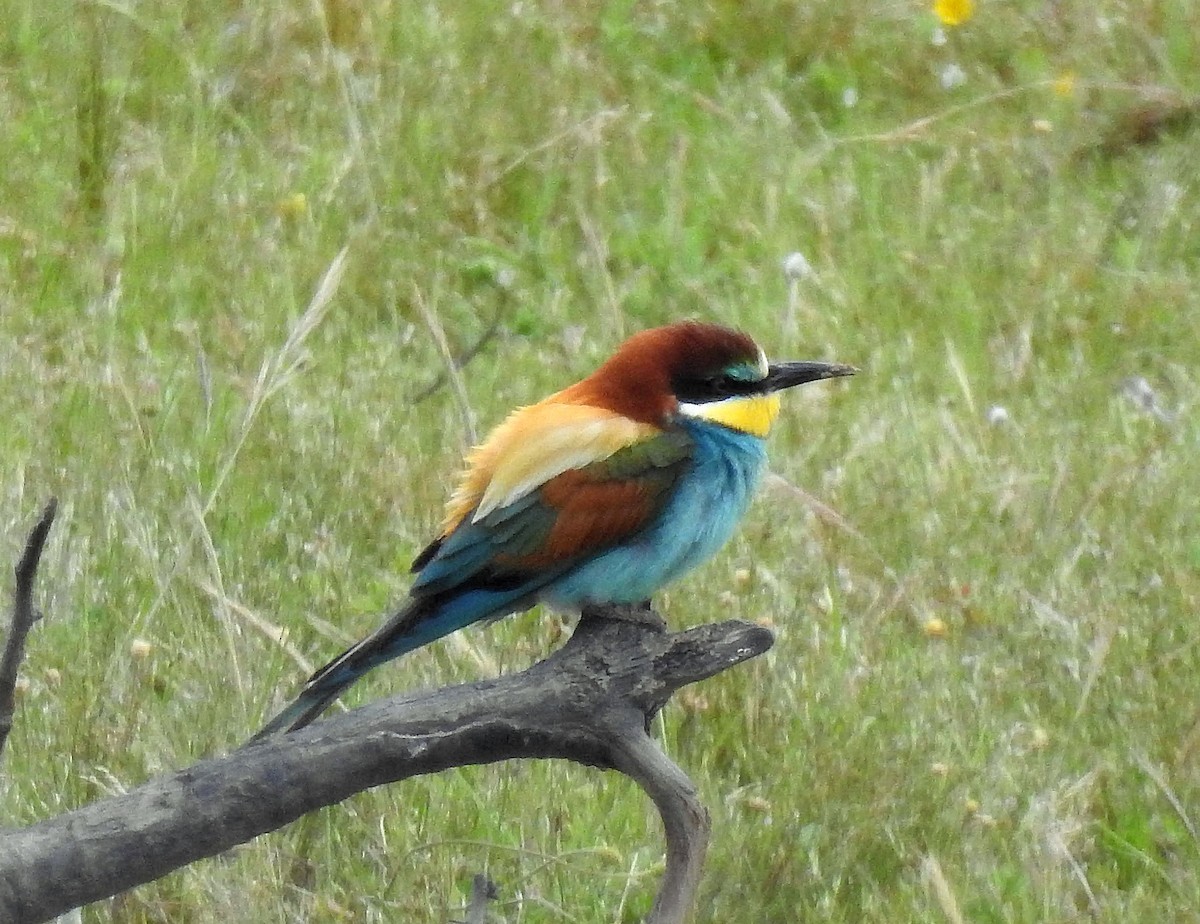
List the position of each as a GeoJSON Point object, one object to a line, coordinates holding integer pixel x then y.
{"type": "Point", "coordinates": [713, 388]}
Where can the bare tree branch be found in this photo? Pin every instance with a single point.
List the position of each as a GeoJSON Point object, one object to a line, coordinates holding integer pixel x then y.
{"type": "Point", "coordinates": [483, 890]}
{"type": "Point", "coordinates": [685, 819]}
{"type": "Point", "coordinates": [24, 615]}
{"type": "Point", "coordinates": [590, 702]}
{"type": "Point", "coordinates": [458, 363]}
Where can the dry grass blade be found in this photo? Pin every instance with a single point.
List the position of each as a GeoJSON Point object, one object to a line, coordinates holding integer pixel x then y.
{"type": "Point", "coordinates": [278, 635]}
{"type": "Point", "coordinates": [274, 373]}
{"type": "Point", "coordinates": [453, 372]}
{"type": "Point", "coordinates": [1169, 794]}
{"type": "Point", "coordinates": [939, 885]}
{"type": "Point", "coordinates": [222, 611]}
{"type": "Point", "coordinates": [291, 355]}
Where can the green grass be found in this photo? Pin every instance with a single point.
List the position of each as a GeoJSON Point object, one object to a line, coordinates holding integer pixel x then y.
{"type": "Point", "coordinates": [178, 180]}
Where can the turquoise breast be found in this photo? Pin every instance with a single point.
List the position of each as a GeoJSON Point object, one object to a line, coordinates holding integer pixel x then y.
{"type": "Point", "coordinates": [705, 507]}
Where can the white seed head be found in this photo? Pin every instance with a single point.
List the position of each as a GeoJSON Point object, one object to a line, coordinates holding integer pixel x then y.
{"type": "Point", "coordinates": [796, 266]}
{"type": "Point", "coordinates": [952, 76]}
{"type": "Point", "coordinates": [506, 278]}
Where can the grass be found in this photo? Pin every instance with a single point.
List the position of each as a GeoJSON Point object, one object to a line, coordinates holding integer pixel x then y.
{"type": "Point", "coordinates": [982, 702]}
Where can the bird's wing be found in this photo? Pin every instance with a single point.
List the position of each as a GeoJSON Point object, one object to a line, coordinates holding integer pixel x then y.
{"type": "Point", "coordinates": [554, 484]}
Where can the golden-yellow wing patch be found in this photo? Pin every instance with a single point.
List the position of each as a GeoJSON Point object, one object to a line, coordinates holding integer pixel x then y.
{"type": "Point", "coordinates": [537, 443]}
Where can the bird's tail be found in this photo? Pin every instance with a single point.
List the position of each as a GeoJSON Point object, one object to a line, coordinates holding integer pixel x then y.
{"type": "Point", "coordinates": [409, 628]}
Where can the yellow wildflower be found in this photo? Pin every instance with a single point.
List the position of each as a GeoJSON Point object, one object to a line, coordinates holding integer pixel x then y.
{"type": "Point", "coordinates": [1064, 84]}
{"type": "Point", "coordinates": [953, 12]}
{"type": "Point", "coordinates": [935, 628]}
{"type": "Point", "coordinates": [292, 207]}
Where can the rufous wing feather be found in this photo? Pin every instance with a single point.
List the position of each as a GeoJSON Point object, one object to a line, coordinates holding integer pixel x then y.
{"type": "Point", "coordinates": [571, 516]}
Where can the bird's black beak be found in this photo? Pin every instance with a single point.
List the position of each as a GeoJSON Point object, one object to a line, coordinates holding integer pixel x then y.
{"type": "Point", "coordinates": [785, 375]}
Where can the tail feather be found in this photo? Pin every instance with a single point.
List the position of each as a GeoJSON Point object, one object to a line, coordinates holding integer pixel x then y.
{"type": "Point", "coordinates": [400, 634]}
{"type": "Point", "coordinates": [306, 707]}
{"type": "Point", "coordinates": [418, 623]}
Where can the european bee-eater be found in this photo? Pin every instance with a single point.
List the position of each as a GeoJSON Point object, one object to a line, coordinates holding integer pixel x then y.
{"type": "Point", "coordinates": [599, 494]}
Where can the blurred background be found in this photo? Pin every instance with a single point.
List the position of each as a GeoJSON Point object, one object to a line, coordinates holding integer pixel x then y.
{"type": "Point", "coordinates": [267, 270]}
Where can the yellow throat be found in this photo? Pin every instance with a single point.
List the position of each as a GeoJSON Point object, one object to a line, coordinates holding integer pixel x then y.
{"type": "Point", "coordinates": [751, 414]}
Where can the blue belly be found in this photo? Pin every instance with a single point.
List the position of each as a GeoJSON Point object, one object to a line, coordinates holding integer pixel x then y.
{"type": "Point", "coordinates": [705, 506]}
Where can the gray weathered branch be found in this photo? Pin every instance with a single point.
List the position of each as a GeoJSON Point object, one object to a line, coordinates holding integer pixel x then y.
{"type": "Point", "coordinates": [590, 702]}
{"type": "Point", "coordinates": [24, 615]}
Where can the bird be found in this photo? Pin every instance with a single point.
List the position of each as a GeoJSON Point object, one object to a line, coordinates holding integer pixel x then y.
{"type": "Point", "coordinates": [600, 494]}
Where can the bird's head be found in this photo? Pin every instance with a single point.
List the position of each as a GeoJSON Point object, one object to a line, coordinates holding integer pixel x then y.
{"type": "Point", "coordinates": [697, 370]}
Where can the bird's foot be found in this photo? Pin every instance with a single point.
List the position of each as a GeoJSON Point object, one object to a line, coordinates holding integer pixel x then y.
{"type": "Point", "coordinates": [640, 614]}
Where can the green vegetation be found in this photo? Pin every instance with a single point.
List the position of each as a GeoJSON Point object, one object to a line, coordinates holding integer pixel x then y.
{"type": "Point", "coordinates": [981, 556]}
